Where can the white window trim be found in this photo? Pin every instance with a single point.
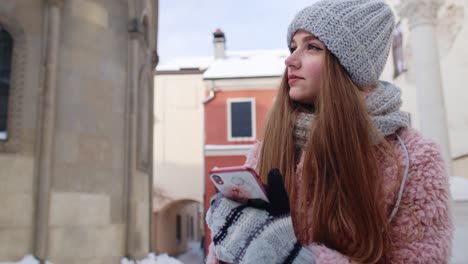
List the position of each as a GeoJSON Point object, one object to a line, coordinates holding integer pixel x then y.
{"type": "Point", "coordinates": [227, 150]}
{"type": "Point", "coordinates": [254, 121]}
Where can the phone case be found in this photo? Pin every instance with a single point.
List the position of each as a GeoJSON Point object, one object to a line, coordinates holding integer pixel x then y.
{"type": "Point", "coordinates": [238, 183]}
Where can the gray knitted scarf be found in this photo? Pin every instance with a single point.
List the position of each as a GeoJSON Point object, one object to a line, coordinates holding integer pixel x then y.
{"type": "Point", "coordinates": [383, 106]}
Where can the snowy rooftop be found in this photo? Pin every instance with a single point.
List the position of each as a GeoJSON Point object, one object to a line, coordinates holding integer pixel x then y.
{"type": "Point", "coordinates": [237, 64]}
{"type": "Point", "coordinates": [177, 64]}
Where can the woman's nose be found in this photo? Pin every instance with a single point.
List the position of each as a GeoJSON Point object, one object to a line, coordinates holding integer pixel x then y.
{"type": "Point", "coordinates": [292, 61]}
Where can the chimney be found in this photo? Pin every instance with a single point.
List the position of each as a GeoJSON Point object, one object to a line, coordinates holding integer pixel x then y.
{"type": "Point", "coordinates": [219, 42]}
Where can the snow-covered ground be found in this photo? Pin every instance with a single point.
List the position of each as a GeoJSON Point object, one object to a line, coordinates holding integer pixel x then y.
{"type": "Point", "coordinates": [150, 259]}
{"type": "Point", "coordinates": [194, 254]}
{"type": "Point", "coordinates": [153, 259]}
{"type": "Point", "coordinates": [29, 259]}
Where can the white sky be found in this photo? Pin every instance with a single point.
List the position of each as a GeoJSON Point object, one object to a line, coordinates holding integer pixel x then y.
{"type": "Point", "coordinates": [186, 26]}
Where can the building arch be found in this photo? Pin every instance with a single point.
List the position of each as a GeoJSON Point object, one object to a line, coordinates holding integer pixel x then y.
{"type": "Point", "coordinates": [176, 224]}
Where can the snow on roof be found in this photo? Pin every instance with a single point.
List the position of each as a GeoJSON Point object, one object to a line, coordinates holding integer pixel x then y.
{"type": "Point", "coordinates": [237, 64]}
{"type": "Point", "coordinates": [177, 64]}
{"type": "Point", "coordinates": [244, 64]}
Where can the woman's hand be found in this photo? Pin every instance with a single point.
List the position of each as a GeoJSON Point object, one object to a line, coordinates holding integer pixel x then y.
{"type": "Point", "coordinates": [256, 232]}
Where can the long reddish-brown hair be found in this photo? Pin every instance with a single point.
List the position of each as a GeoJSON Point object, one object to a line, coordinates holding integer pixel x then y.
{"type": "Point", "coordinates": [338, 200]}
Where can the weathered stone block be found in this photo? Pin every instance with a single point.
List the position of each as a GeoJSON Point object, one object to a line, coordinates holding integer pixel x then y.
{"type": "Point", "coordinates": [110, 241]}
{"type": "Point", "coordinates": [16, 174]}
{"type": "Point", "coordinates": [14, 243]}
{"type": "Point", "coordinates": [93, 243]}
{"type": "Point", "coordinates": [16, 209]}
{"type": "Point", "coordinates": [79, 209]}
{"type": "Point", "coordinates": [90, 11]}
{"type": "Point", "coordinates": [66, 148]}
{"type": "Point", "coordinates": [68, 242]}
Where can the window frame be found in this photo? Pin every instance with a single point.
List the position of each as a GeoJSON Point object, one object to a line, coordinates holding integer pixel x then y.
{"type": "Point", "coordinates": [229, 103]}
{"type": "Point", "coordinates": [17, 85]}
{"type": "Point", "coordinates": [4, 134]}
{"type": "Point", "coordinates": [178, 228]}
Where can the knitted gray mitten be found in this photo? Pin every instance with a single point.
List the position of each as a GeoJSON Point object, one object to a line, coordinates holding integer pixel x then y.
{"type": "Point", "coordinates": [244, 234]}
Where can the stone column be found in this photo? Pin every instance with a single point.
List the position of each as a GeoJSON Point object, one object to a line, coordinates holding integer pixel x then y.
{"type": "Point", "coordinates": [44, 153]}
{"type": "Point", "coordinates": [132, 241]}
{"type": "Point", "coordinates": [422, 15]}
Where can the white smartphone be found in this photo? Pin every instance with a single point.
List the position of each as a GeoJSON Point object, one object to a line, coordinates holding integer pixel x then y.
{"type": "Point", "coordinates": [238, 183]}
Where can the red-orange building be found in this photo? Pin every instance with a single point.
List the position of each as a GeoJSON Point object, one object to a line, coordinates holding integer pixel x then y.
{"type": "Point", "coordinates": [241, 87]}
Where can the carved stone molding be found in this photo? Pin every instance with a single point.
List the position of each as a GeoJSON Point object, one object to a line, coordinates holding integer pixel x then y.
{"type": "Point", "coordinates": [449, 26]}
{"type": "Point", "coordinates": [17, 80]}
{"type": "Point", "coordinates": [154, 59]}
{"type": "Point", "coordinates": [138, 29]}
{"type": "Point", "coordinates": [419, 11]}
{"type": "Point", "coordinates": [135, 29]}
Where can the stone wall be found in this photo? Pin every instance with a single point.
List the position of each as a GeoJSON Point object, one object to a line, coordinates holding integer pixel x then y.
{"type": "Point", "coordinates": [24, 21]}
{"type": "Point", "coordinates": [97, 197]}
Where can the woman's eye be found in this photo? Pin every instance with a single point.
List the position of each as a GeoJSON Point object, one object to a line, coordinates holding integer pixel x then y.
{"type": "Point", "coordinates": [291, 49]}
{"type": "Point", "coordinates": [313, 47]}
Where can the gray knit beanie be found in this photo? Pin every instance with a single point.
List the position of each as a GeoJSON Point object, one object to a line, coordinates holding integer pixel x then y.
{"type": "Point", "coordinates": [357, 32]}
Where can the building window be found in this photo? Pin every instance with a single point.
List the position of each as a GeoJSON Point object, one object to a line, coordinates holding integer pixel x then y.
{"type": "Point", "coordinates": [179, 228]}
{"type": "Point", "coordinates": [192, 235]}
{"type": "Point", "coordinates": [399, 66]}
{"type": "Point", "coordinates": [241, 119]}
{"type": "Point", "coordinates": [6, 49]}
{"type": "Point", "coordinates": [187, 226]}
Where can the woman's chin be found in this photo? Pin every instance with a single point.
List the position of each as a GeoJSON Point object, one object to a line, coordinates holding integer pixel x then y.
{"type": "Point", "coordinates": [300, 98]}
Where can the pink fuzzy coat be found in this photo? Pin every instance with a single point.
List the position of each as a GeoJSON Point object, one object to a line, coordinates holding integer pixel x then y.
{"type": "Point", "coordinates": [423, 224]}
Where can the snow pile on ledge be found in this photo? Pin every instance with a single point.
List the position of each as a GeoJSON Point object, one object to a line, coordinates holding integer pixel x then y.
{"type": "Point", "coordinates": [29, 259]}
{"type": "Point", "coordinates": [152, 259]}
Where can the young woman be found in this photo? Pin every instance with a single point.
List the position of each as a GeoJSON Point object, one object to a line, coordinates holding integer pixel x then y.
{"type": "Point", "coordinates": [363, 186]}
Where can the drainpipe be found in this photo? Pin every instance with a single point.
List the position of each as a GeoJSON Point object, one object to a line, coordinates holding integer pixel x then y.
{"type": "Point", "coordinates": [44, 154]}
{"type": "Point", "coordinates": [210, 97]}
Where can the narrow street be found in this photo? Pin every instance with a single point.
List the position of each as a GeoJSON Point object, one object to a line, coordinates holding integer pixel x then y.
{"type": "Point", "coordinates": [194, 255]}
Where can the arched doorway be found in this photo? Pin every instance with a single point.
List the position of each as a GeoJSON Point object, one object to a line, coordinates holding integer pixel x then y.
{"type": "Point", "coordinates": [176, 226]}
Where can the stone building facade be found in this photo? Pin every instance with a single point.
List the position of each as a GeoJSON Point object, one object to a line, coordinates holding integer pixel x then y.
{"type": "Point", "coordinates": [433, 73]}
{"type": "Point", "coordinates": [76, 84]}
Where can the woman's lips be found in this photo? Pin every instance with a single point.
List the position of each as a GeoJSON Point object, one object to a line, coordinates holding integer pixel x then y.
{"type": "Point", "coordinates": [293, 79]}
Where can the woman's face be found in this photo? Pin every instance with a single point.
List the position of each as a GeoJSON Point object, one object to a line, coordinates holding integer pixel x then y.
{"type": "Point", "coordinates": [304, 67]}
